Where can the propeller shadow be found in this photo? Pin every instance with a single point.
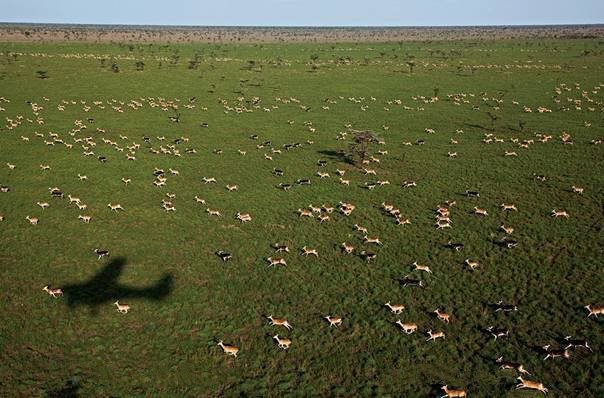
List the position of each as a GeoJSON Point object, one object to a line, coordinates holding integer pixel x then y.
{"type": "Point", "coordinates": [104, 288]}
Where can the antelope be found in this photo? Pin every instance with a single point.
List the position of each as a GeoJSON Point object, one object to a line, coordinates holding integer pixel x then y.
{"type": "Point", "coordinates": [273, 262]}
{"type": "Point", "coordinates": [472, 264]}
{"type": "Point", "coordinates": [439, 225]}
{"type": "Point", "coordinates": [170, 195]}
{"type": "Point", "coordinates": [452, 154]}
{"type": "Point", "coordinates": [32, 220]}
{"type": "Point", "coordinates": [577, 190]}
{"type": "Point", "coordinates": [368, 256]}
{"type": "Point", "coordinates": [308, 251]}
{"type": "Point", "coordinates": [224, 256]}
{"type": "Point", "coordinates": [452, 393]}
{"type": "Point", "coordinates": [594, 310]}
{"type": "Point", "coordinates": [434, 336]}
{"type": "Point", "coordinates": [243, 217]}
{"type": "Point", "coordinates": [408, 328]}
{"type": "Point", "coordinates": [472, 194]}
{"type": "Point", "coordinates": [305, 213]}
{"type": "Point", "coordinates": [511, 365]}
{"type": "Point", "coordinates": [53, 292]}
{"type": "Point", "coordinates": [505, 307]}
{"type": "Point", "coordinates": [360, 229]}
{"type": "Point", "coordinates": [231, 188]}
{"type": "Point", "coordinates": [73, 199]}
{"type": "Point", "coordinates": [400, 221]}
{"type": "Point", "coordinates": [419, 267]}
{"type": "Point", "coordinates": [85, 219]}
{"type": "Point", "coordinates": [229, 349]}
{"type": "Point", "coordinates": [101, 253]}
{"type": "Point", "coordinates": [314, 209]}
{"type": "Point", "coordinates": [409, 184]}
{"type": "Point", "coordinates": [340, 172]}
{"type": "Point", "coordinates": [212, 212]}
{"type": "Point", "coordinates": [279, 322]}
{"type": "Point", "coordinates": [174, 172]}
{"type": "Point", "coordinates": [531, 385]}
{"type": "Point", "coordinates": [208, 180]}
{"type": "Point", "coordinates": [327, 208]}
{"type": "Point", "coordinates": [268, 157]}
{"type": "Point", "coordinates": [443, 316]}
{"type": "Point", "coordinates": [44, 167]}
{"type": "Point", "coordinates": [242, 153]}
{"type": "Point", "coordinates": [395, 308]}
{"type": "Point", "coordinates": [344, 182]}
{"type": "Point", "coordinates": [375, 240]}
{"type": "Point", "coordinates": [126, 180]}
{"type": "Point", "coordinates": [507, 230]}
{"type": "Point", "coordinates": [480, 212]}
{"type": "Point", "coordinates": [510, 153]}
{"type": "Point", "coordinates": [82, 177]}
{"type": "Point", "coordinates": [116, 207]}
{"type": "Point", "coordinates": [333, 320]}
{"type": "Point", "coordinates": [559, 213]}
{"type": "Point", "coordinates": [347, 248]}
{"type": "Point", "coordinates": [369, 171]}
{"type": "Point", "coordinates": [576, 343]}
{"type": "Point", "coordinates": [43, 205]}
{"type": "Point", "coordinates": [322, 175]}
{"type": "Point", "coordinates": [283, 343]}
{"type": "Point", "coordinates": [506, 207]}
{"type": "Point", "coordinates": [122, 308]}
{"type": "Point", "coordinates": [280, 248]}
{"type": "Point", "coordinates": [387, 207]}
{"type": "Point", "coordinates": [496, 333]}
{"type": "Point", "coordinates": [200, 200]}
{"type": "Point", "coordinates": [323, 218]}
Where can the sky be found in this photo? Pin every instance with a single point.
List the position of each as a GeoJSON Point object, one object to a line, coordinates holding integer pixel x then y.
{"type": "Point", "coordinates": [305, 12]}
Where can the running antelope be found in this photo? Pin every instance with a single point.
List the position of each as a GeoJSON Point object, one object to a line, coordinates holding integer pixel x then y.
{"type": "Point", "coordinates": [419, 267]}
{"type": "Point", "coordinates": [357, 227]}
{"type": "Point", "coordinates": [434, 336]}
{"type": "Point", "coordinates": [126, 180]}
{"type": "Point", "coordinates": [559, 213]}
{"type": "Point", "coordinates": [213, 212]}
{"type": "Point", "coordinates": [43, 205]}
{"type": "Point", "coordinates": [472, 264]}
{"type": "Point", "coordinates": [375, 240]}
{"type": "Point", "coordinates": [273, 262]}
{"type": "Point", "coordinates": [531, 385]}
{"type": "Point", "coordinates": [306, 251]}
{"type": "Point", "coordinates": [507, 230]}
{"type": "Point", "coordinates": [333, 320]}
{"type": "Point", "coordinates": [122, 308]}
{"type": "Point", "coordinates": [73, 199]}
{"type": "Point", "coordinates": [53, 292]}
{"type": "Point", "coordinates": [116, 207]}
{"type": "Point", "coordinates": [208, 180]}
{"type": "Point", "coordinates": [577, 190]}
{"type": "Point", "coordinates": [594, 310]}
{"type": "Point", "coordinates": [511, 365]}
{"type": "Point", "coordinates": [282, 343]}
{"type": "Point", "coordinates": [506, 207]}
{"type": "Point", "coordinates": [199, 200]}
{"type": "Point", "coordinates": [32, 220]}
{"type": "Point", "coordinates": [408, 328]}
{"type": "Point", "coordinates": [232, 188]}
{"type": "Point", "coordinates": [452, 393]}
{"type": "Point", "coordinates": [347, 248]}
{"type": "Point", "coordinates": [480, 212]}
{"type": "Point", "coordinates": [85, 219]}
{"type": "Point", "coordinates": [279, 322]}
{"type": "Point", "coordinates": [82, 177]}
{"type": "Point", "coordinates": [229, 349]}
{"type": "Point", "coordinates": [305, 213]}
{"type": "Point", "coordinates": [395, 308]}
{"type": "Point", "coordinates": [443, 316]}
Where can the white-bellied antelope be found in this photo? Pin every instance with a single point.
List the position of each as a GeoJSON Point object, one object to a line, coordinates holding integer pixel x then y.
{"type": "Point", "coordinates": [418, 267]}
{"type": "Point", "coordinates": [440, 225]}
{"type": "Point", "coordinates": [213, 212]}
{"type": "Point", "coordinates": [401, 221]}
{"type": "Point", "coordinates": [44, 167]}
{"type": "Point", "coordinates": [508, 207]}
{"type": "Point", "coordinates": [574, 343]}
{"type": "Point", "coordinates": [510, 153]}
{"type": "Point", "coordinates": [333, 320]}
{"type": "Point", "coordinates": [340, 172]}
{"type": "Point", "coordinates": [374, 240]}
{"type": "Point", "coordinates": [443, 316]}
{"type": "Point", "coordinates": [232, 188]}
{"type": "Point", "coordinates": [73, 199]}
{"type": "Point", "coordinates": [369, 171]}
{"type": "Point", "coordinates": [101, 253]}
{"type": "Point", "coordinates": [208, 180]}
{"type": "Point", "coordinates": [314, 209]}
{"type": "Point", "coordinates": [322, 174]}
{"type": "Point", "coordinates": [122, 308]}
{"type": "Point", "coordinates": [577, 190]}
{"type": "Point", "coordinates": [480, 212]}
{"type": "Point", "coordinates": [306, 251]}
{"type": "Point", "coordinates": [53, 292]}
{"type": "Point", "coordinates": [126, 180]}
{"type": "Point", "coordinates": [116, 207]}
{"type": "Point", "coordinates": [228, 349]}
{"type": "Point", "coordinates": [32, 220]}
{"type": "Point", "coordinates": [43, 205]}
{"type": "Point", "coordinates": [507, 230]}
{"type": "Point", "coordinates": [273, 262]}
{"type": "Point", "coordinates": [305, 213]}
{"type": "Point", "coordinates": [82, 177]}
{"type": "Point", "coordinates": [344, 182]}
{"type": "Point", "coordinates": [85, 219]}
{"type": "Point", "coordinates": [81, 206]}
{"type": "Point", "coordinates": [347, 248]}
{"type": "Point", "coordinates": [357, 227]}
{"type": "Point", "coordinates": [323, 218]}
{"type": "Point", "coordinates": [199, 200]}
{"type": "Point", "coordinates": [408, 328]}
{"type": "Point", "coordinates": [511, 365]}
{"type": "Point", "coordinates": [279, 322]}
{"type": "Point", "coordinates": [531, 385]}
{"type": "Point", "coordinates": [472, 264]}
{"type": "Point", "coordinates": [559, 213]}
{"type": "Point", "coordinates": [449, 393]}
{"type": "Point", "coordinates": [594, 310]}
{"type": "Point", "coordinates": [435, 335]}
{"type": "Point", "coordinates": [395, 308]}
{"type": "Point", "coordinates": [282, 343]}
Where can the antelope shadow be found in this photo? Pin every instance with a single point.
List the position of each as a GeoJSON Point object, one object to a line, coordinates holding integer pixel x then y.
{"type": "Point", "coordinates": [104, 288]}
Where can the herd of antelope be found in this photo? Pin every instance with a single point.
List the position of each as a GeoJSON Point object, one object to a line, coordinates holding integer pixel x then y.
{"type": "Point", "coordinates": [359, 240]}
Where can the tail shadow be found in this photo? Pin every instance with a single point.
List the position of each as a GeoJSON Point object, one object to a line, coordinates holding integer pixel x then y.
{"type": "Point", "coordinates": [104, 288]}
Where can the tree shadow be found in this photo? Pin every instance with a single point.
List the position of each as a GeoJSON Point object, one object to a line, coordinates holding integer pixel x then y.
{"type": "Point", "coordinates": [340, 155]}
{"type": "Point", "coordinates": [103, 288]}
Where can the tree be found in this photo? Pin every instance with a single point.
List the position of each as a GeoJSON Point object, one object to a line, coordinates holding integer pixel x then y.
{"type": "Point", "coordinates": [359, 149]}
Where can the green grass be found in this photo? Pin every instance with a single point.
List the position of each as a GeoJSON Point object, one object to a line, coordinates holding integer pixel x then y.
{"type": "Point", "coordinates": [168, 347]}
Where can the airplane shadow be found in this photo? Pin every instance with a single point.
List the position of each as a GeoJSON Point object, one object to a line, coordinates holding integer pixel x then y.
{"type": "Point", "coordinates": [104, 288]}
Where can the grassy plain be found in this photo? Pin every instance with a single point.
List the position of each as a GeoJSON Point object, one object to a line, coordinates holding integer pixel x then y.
{"type": "Point", "coordinates": [166, 345]}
